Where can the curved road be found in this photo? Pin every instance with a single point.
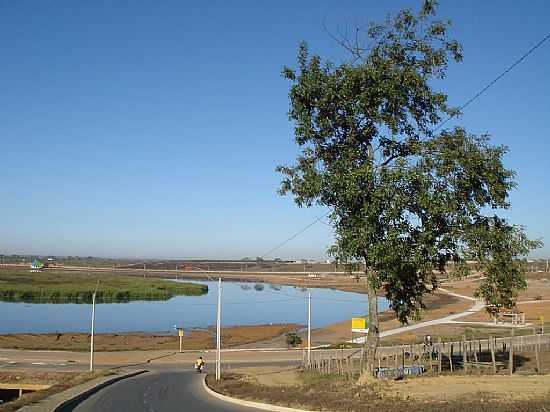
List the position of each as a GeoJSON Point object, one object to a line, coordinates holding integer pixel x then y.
{"type": "Point", "coordinates": [157, 392]}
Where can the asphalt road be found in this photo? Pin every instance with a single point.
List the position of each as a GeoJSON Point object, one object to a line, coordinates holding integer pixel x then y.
{"type": "Point", "coordinates": [160, 391]}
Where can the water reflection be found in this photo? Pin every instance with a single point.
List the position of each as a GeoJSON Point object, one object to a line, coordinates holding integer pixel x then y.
{"type": "Point", "coordinates": [243, 304]}
{"type": "Point", "coordinates": [258, 287]}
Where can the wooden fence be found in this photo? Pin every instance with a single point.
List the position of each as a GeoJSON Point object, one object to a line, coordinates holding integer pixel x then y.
{"type": "Point", "coordinates": [492, 354]}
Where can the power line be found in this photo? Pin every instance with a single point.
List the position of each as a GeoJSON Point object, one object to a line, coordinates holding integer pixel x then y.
{"type": "Point", "coordinates": [496, 79]}
{"type": "Point", "coordinates": [295, 235]}
{"type": "Point", "coordinates": [460, 108]}
{"type": "Point", "coordinates": [315, 297]}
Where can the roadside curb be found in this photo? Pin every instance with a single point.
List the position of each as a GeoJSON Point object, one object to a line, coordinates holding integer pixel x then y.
{"type": "Point", "coordinates": [70, 397]}
{"type": "Point", "coordinates": [68, 404]}
{"type": "Point", "coordinates": [250, 404]}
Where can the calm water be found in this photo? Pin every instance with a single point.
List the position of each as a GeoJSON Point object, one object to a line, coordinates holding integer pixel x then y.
{"type": "Point", "coordinates": [242, 304]}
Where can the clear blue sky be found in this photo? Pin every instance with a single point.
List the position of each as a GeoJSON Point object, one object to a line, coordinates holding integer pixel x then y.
{"type": "Point", "coordinates": [152, 129]}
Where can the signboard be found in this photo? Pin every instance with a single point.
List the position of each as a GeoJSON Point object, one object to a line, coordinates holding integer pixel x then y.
{"type": "Point", "coordinates": [359, 325]}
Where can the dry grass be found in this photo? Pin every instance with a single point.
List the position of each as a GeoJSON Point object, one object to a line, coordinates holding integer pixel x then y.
{"type": "Point", "coordinates": [196, 339]}
{"type": "Point", "coordinates": [445, 394]}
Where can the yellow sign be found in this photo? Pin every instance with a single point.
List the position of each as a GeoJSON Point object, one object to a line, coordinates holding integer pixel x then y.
{"type": "Point", "coordinates": [358, 323]}
{"type": "Point", "coordinates": [541, 319]}
{"type": "Point", "coordinates": [180, 332]}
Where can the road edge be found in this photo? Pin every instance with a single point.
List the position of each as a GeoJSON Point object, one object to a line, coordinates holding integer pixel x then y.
{"type": "Point", "coordinates": [250, 404]}
{"type": "Point", "coordinates": [75, 400]}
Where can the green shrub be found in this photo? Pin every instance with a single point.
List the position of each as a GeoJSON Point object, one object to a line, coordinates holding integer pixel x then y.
{"type": "Point", "coordinates": [293, 340]}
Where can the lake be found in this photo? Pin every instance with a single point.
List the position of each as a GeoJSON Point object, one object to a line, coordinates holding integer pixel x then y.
{"type": "Point", "coordinates": [243, 303]}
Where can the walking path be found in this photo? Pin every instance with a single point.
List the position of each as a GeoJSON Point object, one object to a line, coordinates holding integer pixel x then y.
{"type": "Point", "coordinates": [478, 305]}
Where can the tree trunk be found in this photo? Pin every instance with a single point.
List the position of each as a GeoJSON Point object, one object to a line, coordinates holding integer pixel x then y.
{"type": "Point", "coordinates": [373, 336]}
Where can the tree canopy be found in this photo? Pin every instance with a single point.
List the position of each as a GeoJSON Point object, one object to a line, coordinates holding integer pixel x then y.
{"type": "Point", "coordinates": [404, 197]}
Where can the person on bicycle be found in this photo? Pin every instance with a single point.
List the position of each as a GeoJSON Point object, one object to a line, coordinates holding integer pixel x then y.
{"type": "Point", "coordinates": [199, 364]}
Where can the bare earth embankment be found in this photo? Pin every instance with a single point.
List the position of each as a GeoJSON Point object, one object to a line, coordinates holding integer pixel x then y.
{"type": "Point", "coordinates": [59, 382]}
{"type": "Point", "coordinates": [446, 393]}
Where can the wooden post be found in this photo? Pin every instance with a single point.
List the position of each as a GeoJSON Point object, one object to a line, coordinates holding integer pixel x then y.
{"type": "Point", "coordinates": [537, 356]}
{"type": "Point", "coordinates": [464, 356]}
{"type": "Point", "coordinates": [521, 343]}
{"type": "Point", "coordinates": [451, 357]}
{"type": "Point", "coordinates": [492, 345]}
{"type": "Point", "coordinates": [439, 355]}
{"type": "Point", "coordinates": [511, 354]}
{"type": "Point", "coordinates": [475, 358]}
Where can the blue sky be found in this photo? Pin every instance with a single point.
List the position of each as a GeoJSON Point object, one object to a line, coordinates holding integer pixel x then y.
{"type": "Point", "coordinates": [152, 129]}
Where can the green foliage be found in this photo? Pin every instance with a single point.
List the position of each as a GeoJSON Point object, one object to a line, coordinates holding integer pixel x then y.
{"type": "Point", "coordinates": [67, 287]}
{"type": "Point", "coordinates": [404, 199]}
{"type": "Point", "coordinates": [498, 246]}
{"type": "Point", "coordinates": [293, 340]}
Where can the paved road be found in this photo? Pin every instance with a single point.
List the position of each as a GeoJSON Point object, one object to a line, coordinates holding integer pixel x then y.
{"type": "Point", "coordinates": [78, 361]}
{"type": "Point", "coordinates": [164, 391]}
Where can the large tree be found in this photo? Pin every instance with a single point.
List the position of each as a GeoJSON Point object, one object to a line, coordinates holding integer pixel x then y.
{"type": "Point", "coordinates": [404, 197]}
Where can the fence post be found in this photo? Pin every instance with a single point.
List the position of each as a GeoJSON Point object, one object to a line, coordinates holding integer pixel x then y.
{"type": "Point", "coordinates": [451, 356]}
{"type": "Point", "coordinates": [537, 348]}
{"type": "Point", "coordinates": [492, 345]}
{"type": "Point", "coordinates": [511, 354]}
{"type": "Point", "coordinates": [464, 355]}
{"type": "Point", "coordinates": [439, 355]}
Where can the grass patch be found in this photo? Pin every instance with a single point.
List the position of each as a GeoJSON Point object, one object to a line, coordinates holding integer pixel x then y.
{"type": "Point", "coordinates": [61, 382]}
{"type": "Point", "coordinates": [71, 287]}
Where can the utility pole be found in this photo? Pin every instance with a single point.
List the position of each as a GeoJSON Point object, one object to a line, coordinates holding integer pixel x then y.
{"type": "Point", "coordinates": [218, 331]}
{"type": "Point", "coordinates": [92, 331]}
{"type": "Point", "coordinates": [308, 328]}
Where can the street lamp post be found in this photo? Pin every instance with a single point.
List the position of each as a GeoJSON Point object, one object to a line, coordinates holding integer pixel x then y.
{"type": "Point", "coordinates": [218, 325]}
{"type": "Point", "coordinates": [92, 331]}
{"type": "Point", "coordinates": [218, 332]}
{"type": "Point", "coordinates": [308, 329]}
